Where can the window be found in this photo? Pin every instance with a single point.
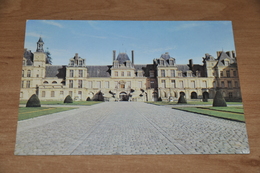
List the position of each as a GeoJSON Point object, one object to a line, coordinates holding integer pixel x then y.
{"type": "Point", "coordinates": [128, 84]}
{"type": "Point", "coordinates": [70, 93]}
{"type": "Point", "coordinates": [116, 84]}
{"type": "Point", "coordinates": [90, 84]}
{"type": "Point", "coordinates": [116, 73]}
{"type": "Point", "coordinates": [236, 84]}
{"type": "Point", "coordinates": [181, 84]}
{"type": "Point", "coordinates": [72, 62]}
{"type": "Point", "coordinates": [43, 93]}
{"type": "Point", "coordinates": [172, 73]}
{"type": "Point", "coordinates": [140, 74]}
{"type": "Point", "coordinates": [106, 84]}
{"type": "Point", "coordinates": [152, 84]}
{"type": "Point", "coordinates": [27, 84]}
{"type": "Point", "coordinates": [70, 83]}
{"type": "Point", "coordinates": [80, 73]}
{"type": "Point", "coordinates": [98, 84]}
{"type": "Point", "coordinates": [52, 94]}
{"type": "Point", "coordinates": [163, 84]}
{"type": "Point", "coordinates": [29, 73]}
{"type": "Point", "coordinates": [221, 74]}
{"type": "Point", "coordinates": [140, 84]}
{"type": "Point", "coordinates": [80, 93]}
{"type": "Point", "coordinates": [80, 84]}
{"type": "Point", "coordinates": [162, 62]}
{"type": "Point", "coordinates": [222, 84]}
{"type": "Point", "coordinates": [173, 85]}
{"type": "Point", "coordinates": [180, 74]}
{"type": "Point", "coordinates": [61, 92]}
{"type": "Point", "coordinates": [234, 73]}
{"type": "Point", "coordinates": [193, 84]}
{"type": "Point", "coordinates": [80, 63]}
{"type": "Point", "coordinates": [45, 82]}
{"type": "Point", "coordinates": [22, 84]}
{"type": "Point", "coordinates": [229, 84]}
{"type": "Point", "coordinates": [214, 84]}
{"type": "Point", "coordinates": [122, 86]}
{"type": "Point", "coordinates": [54, 82]}
{"type": "Point", "coordinates": [230, 94]}
{"type": "Point", "coordinates": [163, 73]}
{"type": "Point", "coordinates": [22, 73]}
{"type": "Point", "coordinates": [151, 73]}
{"type": "Point", "coordinates": [228, 73]}
{"type": "Point", "coordinates": [128, 73]}
{"type": "Point", "coordinates": [204, 84]}
{"type": "Point", "coordinates": [71, 73]}
{"type": "Point", "coordinates": [226, 63]}
{"type": "Point", "coordinates": [171, 62]}
{"type": "Point", "coordinates": [122, 73]}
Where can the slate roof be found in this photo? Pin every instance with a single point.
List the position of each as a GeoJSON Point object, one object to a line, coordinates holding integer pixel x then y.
{"type": "Point", "coordinates": [223, 56]}
{"type": "Point", "coordinates": [99, 71]}
{"type": "Point", "coordinates": [183, 67]}
{"type": "Point", "coordinates": [55, 71]}
{"type": "Point", "coordinates": [165, 56]}
{"type": "Point", "coordinates": [122, 57]}
{"type": "Point", "coordinates": [29, 57]}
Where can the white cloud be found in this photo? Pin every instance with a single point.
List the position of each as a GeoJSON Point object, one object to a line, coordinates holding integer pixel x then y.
{"type": "Point", "coordinates": [50, 22]}
{"type": "Point", "coordinates": [186, 26]}
{"type": "Point", "coordinates": [33, 34]}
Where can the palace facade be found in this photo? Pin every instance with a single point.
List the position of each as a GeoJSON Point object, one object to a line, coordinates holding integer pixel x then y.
{"type": "Point", "coordinates": [124, 80]}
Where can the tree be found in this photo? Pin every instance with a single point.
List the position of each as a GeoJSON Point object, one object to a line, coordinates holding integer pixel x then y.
{"type": "Point", "coordinates": [182, 99]}
{"type": "Point", "coordinates": [48, 57]}
{"type": "Point", "coordinates": [68, 99]}
{"type": "Point", "coordinates": [219, 100]}
{"type": "Point", "coordinates": [33, 101]}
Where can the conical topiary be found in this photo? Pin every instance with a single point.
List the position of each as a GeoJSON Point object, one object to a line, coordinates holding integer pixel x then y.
{"type": "Point", "coordinates": [182, 99]}
{"type": "Point", "coordinates": [219, 100]}
{"type": "Point", "coordinates": [68, 99]}
{"type": "Point", "coordinates": [33, 101]}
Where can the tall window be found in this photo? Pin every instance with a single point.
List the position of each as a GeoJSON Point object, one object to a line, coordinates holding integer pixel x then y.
{"type": "Point", "coordinates": [204, 84]}
{"type": "Point", "coordinates": [181, 84]}
{"type": "Point", "coordinates": [222, 84]}
{"type": "Point", "coordinates": [22, 84]}
{"type": "Point", "coordinates": [71, 73]}
{"type": "Point", "coordinates": [180, 74]}
{"type": "Point", "coordinates": [90, 84]}
{"type": "Point", "coordinates": [228, 73]}
{"type": "Point", "coordinates": [106, 84]}
{"type": "Point", "coordinates": [98, 84]}
{"type": "Point", "coordinates": [52, 94]}
{"type": "Point", "coordinates": [236, 84]}
{"type": "Point", "coordinates": [43, 93]}
{"type": "Point", "coordinates": [80, 84]}
{"type": "Point", "coordinates": [70, 83]}
{"type": "Point", "coordinates": [173, 85]}
{"type": "Point", "coordinates": [22, 73]}
{"type": "Point", "coordinates": [234, 73]}
{"type": "Point", "coordinates": [221, 74]}
{"type": "Point", "coordinates": [230, 94]}
{"type": "Point", "coordinates": [162, 62]}
{"type": "Point", "coordinates": [229, 84]}
{"type": "Point", "coordinates": [172, 73]}
{"type": "Point", "coordinates": [80, 63]}
{"type": "Point", "coordinates": [163, 73]}
{"type": "Point", "coordinates": [122, 73]}
{"type": "Point", "coordinates": [163, 84]}
{"type": "Point", "coordinates": [61, 92]}
{"type": "Point", "coordinates": [29, 73]}
{"type": "Point", "coordinates": [140, 84]}
{"type": "Point", "coordinates": [116, 73]}
{"type": "Point", "coordinates": [128, 73]}
{"type": "Point", "coordinates": [116, 84]}
{"type": "Point", "coordinates": [151, 73]}
{"type": "Point", "coordinates": [193, 84]}
{"type": "Point", "coordinates": [70, 93]}
{"type": "Point", "coordinates": [72, 62]}
{"type": "Point", "coordinates": [80, 73]}
{"type": "Point", "coordinates": [152, 84]}
{"type": "Point", "coordinates": [27, 84]}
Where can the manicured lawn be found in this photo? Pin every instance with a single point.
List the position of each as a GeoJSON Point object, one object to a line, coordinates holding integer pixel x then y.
{"type": "Point", "coordinates": [31, 112]}
{"type": "Point", "coordinates": [86, 103]}
{"type": "Point", "coordinates": [232, 113]}
{"type": "Point", "coordinates": [192, 103]}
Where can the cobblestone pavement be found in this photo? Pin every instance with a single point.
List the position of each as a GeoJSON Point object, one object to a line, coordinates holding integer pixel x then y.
{"type": "Point", "coordinates": [129, 128]}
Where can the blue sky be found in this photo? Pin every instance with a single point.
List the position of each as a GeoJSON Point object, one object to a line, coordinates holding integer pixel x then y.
{"type": "Point", "coordinates": [96, 40]}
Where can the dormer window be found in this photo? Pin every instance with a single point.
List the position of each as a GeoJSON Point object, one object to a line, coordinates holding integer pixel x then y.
{"type": "Point", "coordinates": [71, 62]}
{"type": "Point", "coordinates": [162, 62]}
{"type": "Point", "coordinates": [227, 63]}
{"type": "Point", "coordinates": [80, 63]}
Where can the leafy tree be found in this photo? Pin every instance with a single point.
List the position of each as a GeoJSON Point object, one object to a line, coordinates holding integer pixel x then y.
{"type": "Point", "coordinates": [48, 59]}
{"type": "Point", "coordinates": [68, 99]}
{"type": "Point", "coordinates": [219, 100]}
{"type": "Point", "coordinates": [33, 101]}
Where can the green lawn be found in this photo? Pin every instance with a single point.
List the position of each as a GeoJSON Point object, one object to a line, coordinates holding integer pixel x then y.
{"type": "Point", "coordinates": [86, 103]}
{"type": "Point", "coordinates": [191, 103]}
{"type": "Point", "coordinates": [31, 112]}
{"type": "Point", "coordinates": [231, 113]}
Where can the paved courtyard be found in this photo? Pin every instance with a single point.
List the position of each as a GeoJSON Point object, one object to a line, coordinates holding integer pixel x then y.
{"type": "Point", "coordinates": [113, 128]}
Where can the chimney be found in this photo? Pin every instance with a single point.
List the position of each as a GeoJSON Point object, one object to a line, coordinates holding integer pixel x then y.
{"type": "Point", "coordinates": [114, 55]}
{"type": "Point", "coordinates": [218, 53]}
{"type": "Point", "coordinates": [233, 54]}
{"type": "Point", "coordinates": [132, 57]}
{"type": "Point", "coordinates": [190, 63]}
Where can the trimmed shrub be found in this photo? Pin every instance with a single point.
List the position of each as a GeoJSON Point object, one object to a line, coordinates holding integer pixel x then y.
{"type": "Point", "coordinates": [33, 101]}
{"type": "Point", "coordinates": [219, 100]}
{"type": "Point", "coordinates": [182, 100]}
{"type": "Point", "coordinates": [68, 99]}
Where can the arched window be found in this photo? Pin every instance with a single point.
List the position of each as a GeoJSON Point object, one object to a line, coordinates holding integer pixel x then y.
{"type": "Point", "coordinates": [54, 82]}
{"type": "Point", "coordinates": [45, 82]}
{"type": "Point", "coordinates": [194, 95]}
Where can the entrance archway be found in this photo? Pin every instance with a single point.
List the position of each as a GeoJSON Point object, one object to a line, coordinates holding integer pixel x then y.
{"type": "Point", "coordinates": [154, 96]}
{"type": "Point", "coordinates": [205, 95]}
{"type": "Point", "coordinates": [123, 96]}
{"type": "Point", "coordinates": [182, 93]}
{"type": "Point", "coordinates": [194, 95]}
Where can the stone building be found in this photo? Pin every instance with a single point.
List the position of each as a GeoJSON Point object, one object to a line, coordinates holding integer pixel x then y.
{"type": "Point", "coordinates": [123, 80]}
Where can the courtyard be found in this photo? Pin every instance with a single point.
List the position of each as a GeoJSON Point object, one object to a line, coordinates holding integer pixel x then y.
{"type": "Point", "coordinates": [129, 128]}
